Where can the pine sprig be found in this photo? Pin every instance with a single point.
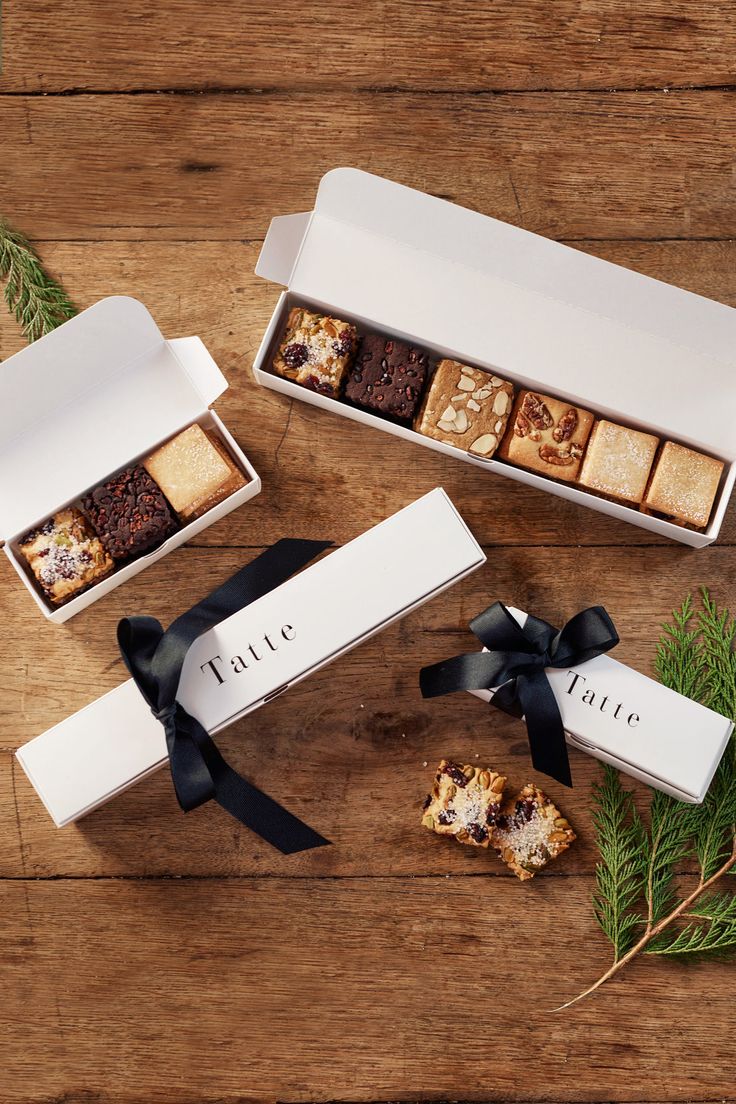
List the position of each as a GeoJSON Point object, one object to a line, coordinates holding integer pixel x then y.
{"type": "Point", "coordinates": [38, 303]}
{"type": "Point", "coordinates": [621, 872]}
{"type": "Point", "coordinates": [638, 903]}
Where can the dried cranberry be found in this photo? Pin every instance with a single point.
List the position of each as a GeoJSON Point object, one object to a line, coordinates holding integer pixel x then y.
{"type": "Point", "coordinates": [447, 816]}
{"type": "Point", "coordinates": [296, 354]}
{"type": "Point", "coordinates": [456, 775]}
{"type": "Point", "coordinates": [477, 832]}
{"type": "Point", "coordinates": [427, 801]}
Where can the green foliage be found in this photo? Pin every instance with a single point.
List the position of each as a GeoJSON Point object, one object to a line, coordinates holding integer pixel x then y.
{"type": "Point", "coordinates": [38, 302]}
{"type": "Point", "coordinates": [638, 894]}
{"type": "Point", "coordinates": [620, 874]}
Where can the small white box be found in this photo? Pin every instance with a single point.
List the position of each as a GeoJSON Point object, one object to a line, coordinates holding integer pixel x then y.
{"type": "Point", "coordinates": [616, 714]}
{"type": "Point", "coordinates": [541, 314]}
{"type": "Point", "coordinates": [317, 615]}
{"type": "Point", "coordinates": [91, 397]}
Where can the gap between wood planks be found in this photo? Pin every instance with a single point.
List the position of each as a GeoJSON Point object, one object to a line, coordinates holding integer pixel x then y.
{"type": "Point", "coordinates": [367, 89]}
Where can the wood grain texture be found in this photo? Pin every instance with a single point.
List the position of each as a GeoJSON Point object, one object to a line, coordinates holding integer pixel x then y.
{"type": "Point", "coordinates": [568, 165]}
{"type": "Point", "coordinates": [221, 992]}
{"type": "Point", "coordinates": [147, 957]}
{"type": "Point", "coordinates": [511, 44]}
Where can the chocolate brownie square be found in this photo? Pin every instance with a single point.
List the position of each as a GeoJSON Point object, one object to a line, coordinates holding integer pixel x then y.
{"type": "Point", "coordinates": [388, 377]}
{"type": "Point", "coordinates": [129, 513]}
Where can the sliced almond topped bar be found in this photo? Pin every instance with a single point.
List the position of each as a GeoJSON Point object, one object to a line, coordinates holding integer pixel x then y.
{"type": "Point", "coordinates": [465, 803]}
{"type": "Point", "coordinates": [530, 832]}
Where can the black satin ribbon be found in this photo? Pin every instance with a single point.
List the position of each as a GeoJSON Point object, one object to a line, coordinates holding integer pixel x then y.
{"type": "Point", "coordinates": [155, 658]}
{"type": "Point", "coordinates": [515, 662]}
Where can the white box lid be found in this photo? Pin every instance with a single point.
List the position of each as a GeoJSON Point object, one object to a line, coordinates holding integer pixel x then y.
{"type": "Point", "coordinates": [82, 401]}
{"type": "Point", "coordinates": [554, 317]}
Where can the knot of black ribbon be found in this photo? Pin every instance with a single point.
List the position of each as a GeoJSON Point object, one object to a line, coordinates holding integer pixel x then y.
{"type": "Point", "coordinates": [155, 657]}
{"type": "Point", "coordinates": [514, 662]}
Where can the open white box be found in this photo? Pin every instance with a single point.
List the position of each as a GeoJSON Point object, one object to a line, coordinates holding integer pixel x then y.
{"type": "Point", "coordinates": [546, 316]}
{"type": "Point", "coordinates": [93, 396]}
{"type": "Point", "coordinates": [312, 618]}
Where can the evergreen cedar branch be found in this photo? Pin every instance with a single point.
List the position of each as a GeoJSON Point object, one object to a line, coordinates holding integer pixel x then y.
{"type": "Point", "coordinates": [38, 303]}
{"type": "Point", "coordinates": [639, 904]}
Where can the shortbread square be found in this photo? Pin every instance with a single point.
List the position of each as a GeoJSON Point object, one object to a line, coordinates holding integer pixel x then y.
{"type": "Point", "coordinates": [530, 832]}
{"type": "Point", "coordinates": [65, 555]}
{"type": "Point", "coordinates": [466, 407]}
{"type": "Point", "coordinates": [464, 803]}
{"type": "Point", "coordinates": [684, 484]}
{"type": "Point", "coordinates": [194, 471]}
{"type": "Point", "coordinates": [546, 436]}
{"type": "Point", "coordinates": [618, 461]}
{"type": "Point", "coordinates": [316, 351]}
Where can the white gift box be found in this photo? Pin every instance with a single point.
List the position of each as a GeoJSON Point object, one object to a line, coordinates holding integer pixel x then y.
{"type": "Point", "coordinates": [91, 397]}
{"type": "Point", "coordinates": [257, 653]}
{"type": "Point", "coordinates": [616, 714]}
{"type": "Point", "coordinates": [541, 314]}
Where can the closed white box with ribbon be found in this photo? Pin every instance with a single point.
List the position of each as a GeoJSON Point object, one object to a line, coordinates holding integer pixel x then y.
{"type": "Point", "coordinates": [257, 653]}
{"type": "Point", "coordinates": [616, 714]}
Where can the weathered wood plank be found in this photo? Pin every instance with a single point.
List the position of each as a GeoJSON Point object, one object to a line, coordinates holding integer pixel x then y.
{"type": "Point", "coordinates": [346, 748]}
{"type": "Point", "coordinates": [316, 990]}
{"type": "Point", "coordinates": [528, 44]}
{"type": "Point", "coordinates": [634, 165]}
{"type": "Point", "coordinates": [209, 288]}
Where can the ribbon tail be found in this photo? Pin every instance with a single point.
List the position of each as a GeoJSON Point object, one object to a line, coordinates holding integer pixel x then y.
{"type": "Point", "coordinates": [544, 726]}
{"type": "Point", "coordinates": [201, 774]}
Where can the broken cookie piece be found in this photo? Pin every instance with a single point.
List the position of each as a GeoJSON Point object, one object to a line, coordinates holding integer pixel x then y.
{"type": "Point", "coordinates": [530, 832]}
{"type": "Point", "coordinates": [546, 436]}
{"type": "Point", "coordinates": [464, 803]}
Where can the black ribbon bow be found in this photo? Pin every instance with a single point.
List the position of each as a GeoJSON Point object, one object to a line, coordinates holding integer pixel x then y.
{"type": "Point", "coordinates": [155, 658]}
{"type": "Point", "coordinates": [515, 662]}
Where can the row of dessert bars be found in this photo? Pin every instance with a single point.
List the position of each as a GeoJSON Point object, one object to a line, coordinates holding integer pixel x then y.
{"type": "Point", "coordinates": [482, 414]}
{"type": "Point", "coordinates": [130, 513]}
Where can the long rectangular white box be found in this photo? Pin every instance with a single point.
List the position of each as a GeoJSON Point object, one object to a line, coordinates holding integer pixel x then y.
{"type": "Point", "coordinates": [616, 714]}
{"type": "Point", "coordinates": [257, 653]}
{"type": "Point", "coordinates": [548, 317]}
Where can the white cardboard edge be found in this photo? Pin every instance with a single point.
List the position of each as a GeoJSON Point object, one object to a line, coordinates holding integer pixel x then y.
{"type": "Point", "coordinates": [562, 490]}
{"type": "Point", "coordinates": [691, 797]}
{"type": "Point", "coordinates": [181, 536]}
{"type": "Point", "coordinates": [156, 754]}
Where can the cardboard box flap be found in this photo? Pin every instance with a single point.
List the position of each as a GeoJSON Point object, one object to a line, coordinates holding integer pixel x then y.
{"type": "Point", "coordinates": [82, 401]}
{"type": "Point", "coordinates": [543, 312]}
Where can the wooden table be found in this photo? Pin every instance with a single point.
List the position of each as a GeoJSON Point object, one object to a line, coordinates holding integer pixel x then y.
{"type": "Point", "coordinates": [147, 956]}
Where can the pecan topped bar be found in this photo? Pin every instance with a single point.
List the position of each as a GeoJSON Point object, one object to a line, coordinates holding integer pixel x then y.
{"type": "Point", "coordinates": [530, 832]}
{"type": "Point", "coordinates": [464, 803]}
{"type": "Point", "coordinates": [316, 351]}
{"type": "Point", "coordinates": [547, 436]}
{"type": "Point", "coordinates": [466, 407]}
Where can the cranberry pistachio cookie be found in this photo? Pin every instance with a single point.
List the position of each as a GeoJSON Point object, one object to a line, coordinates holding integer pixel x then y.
{"type": "Point", "coordinates": [316, 351]}
{"type": "Point", "coordinates": [530, 832]}
{"type": "Point", "coordinates": [65, 555]}
{"type": "Point", "coordinates": [465, 802]}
